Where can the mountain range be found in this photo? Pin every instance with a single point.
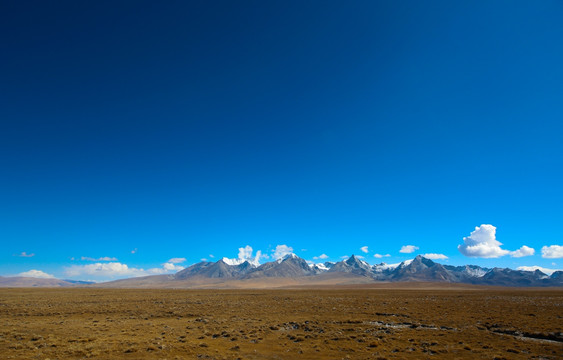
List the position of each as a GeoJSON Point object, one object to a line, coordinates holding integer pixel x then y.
{"type": "Point", "coordinates": [292, 270]}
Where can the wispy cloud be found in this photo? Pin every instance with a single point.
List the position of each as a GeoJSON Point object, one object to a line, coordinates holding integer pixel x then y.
{"type": "Point", "coordinates": [177, 260]}
{"type": "Point", "coordinates": [24, 254]}
{"type": "Point", "coordinates": [407, 249]}
{"type": "Point", "coordinates": [36, 274]}
{"type": "Point", "coordinates": [364, 249]}
{"type": "Point", "coordinates": [552, 252]}
{"type": "Point", "coordinates": [321, 257]}
{"type": "Point", "coordinates": [166, 268]}
{"type": "Point", "coordinates": [103, 258]}
{"type": "Point", "coordinates": [379, 256]}
{"type": "Point", "coordinates": [134, 251]}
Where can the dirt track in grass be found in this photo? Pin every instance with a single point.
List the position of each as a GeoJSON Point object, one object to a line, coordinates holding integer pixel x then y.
{"type": "Point", "coordinates": [340, 323]}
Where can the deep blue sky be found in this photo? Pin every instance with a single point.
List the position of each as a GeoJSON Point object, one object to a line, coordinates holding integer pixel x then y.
{"type": "Point", "coordinates": [184, 129]}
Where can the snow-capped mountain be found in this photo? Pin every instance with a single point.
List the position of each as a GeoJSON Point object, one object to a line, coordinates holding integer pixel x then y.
{"type": "Point", "coordinates": [290, 265]}
{"type": "Point", "coordinates": [219, 269]}
{"type": "Point", "coordinates": [417, 269]}
{"type": "Point", "coordinates": [352, 265]}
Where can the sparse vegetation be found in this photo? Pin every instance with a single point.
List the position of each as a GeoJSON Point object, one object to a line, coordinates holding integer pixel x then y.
{"type": "Point", "coordinates": [340, 323]}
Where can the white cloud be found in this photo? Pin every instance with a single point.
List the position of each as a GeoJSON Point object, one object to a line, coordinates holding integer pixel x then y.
{"type": "Point", "coordinates": [482, 242]}
{"type": "Point", "coordinates": [203, 259]}
{"type": "Point", "coordinates": [134, 251]}
{"type": "Point", "coordinates": [364, 249]}
{"type": "Point", "coordinates": [407, 249]}
{"type": "Point", "coordinates": [176, 260]}
{"type": "Point", "coordinates": [111, 269]}
{"type": "Point", "coordinates": [434, 256]}
{"type": "Point", "coordinates": [534, 268]}
{"type": "Point", "coordinates": [211, 256]}
{"type": "Point", "coordinates": [117, 269]}
{"type": "Point", "coordinates": [104, 258]}
{"type": "Point", "coordinates": [166, 267]}
{"type": "Point", "coordinates": [322, 257]}
{"type": "Point", "coordinates": [281, 251]}
{"type": "Point", "coordinates": [379, 256]}
{"type": "Point", "coordinates": [245, 254]}
{"type": "Point", "coordinates": [24, 254]}
{"type": "Point", "coordinates": [36, 274]}
{"type": "Point", "coordinates": [552, 252]}
{"type": "Point", "coordinates": [360, 257]}
{"type": "Point", "coordinates": [523, 251]}
{"type": "Point", "coordinates": [155, 271]}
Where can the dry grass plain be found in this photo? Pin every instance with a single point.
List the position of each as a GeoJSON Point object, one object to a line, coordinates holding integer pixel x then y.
{"type": "Point", "coordinates": [342, 323]}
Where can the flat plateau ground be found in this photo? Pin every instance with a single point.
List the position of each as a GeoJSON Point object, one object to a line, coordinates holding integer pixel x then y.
{"type": "Point", "coordinates": [338, 323]}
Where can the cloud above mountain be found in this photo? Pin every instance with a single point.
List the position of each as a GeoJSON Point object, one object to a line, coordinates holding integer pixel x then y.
{"type": "Point", "coordinates": [523, 251]}
{"type": "Point", "coordinates": [408, 249]}
{"type": "Point", "coordinates": [246, 254]}
{"type": "Point", "coordinates": [36, 274]}
{"type": "Point", "coordinates": [534, 268]}
{"type": "Point", "coordinates": [321, 257]}
{"type": "Point", "coordinates": [177, 260]}
{"type": "Point", "coordinates": [552, 252]}
{"type": "Point", "coordinates": [364, 249]}
{"type": "Point", "coordinates": [482, 242]}
{"type": "Point", "coordinates": [169, 266]}
{"type": "Point", "coordinates": [111, 269]}
{"type": "Point", "coordinates": [117, 269]}
{"type": "Point", "coordinates": [379, 256]}
{"type": "Point", "coordinates": [281, 251]}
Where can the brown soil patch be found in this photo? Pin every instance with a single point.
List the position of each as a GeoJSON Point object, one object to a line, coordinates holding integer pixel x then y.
{"type": "Point", "coordinates": [281, 324]}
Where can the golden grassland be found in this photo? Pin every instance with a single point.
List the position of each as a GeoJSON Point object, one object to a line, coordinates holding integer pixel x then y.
{"type": "Point", "coordinates": [337, 323]}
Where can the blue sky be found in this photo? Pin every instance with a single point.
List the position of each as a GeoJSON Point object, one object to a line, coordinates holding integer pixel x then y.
{"type": "Point", "coordinates": [133, 133]}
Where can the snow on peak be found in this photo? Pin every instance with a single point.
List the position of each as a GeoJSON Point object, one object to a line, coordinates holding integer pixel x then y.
{"type": "Point", "coordinates": [476, 272]}
{"type": "Point", "coordinates": [320, 266]}
{"type": "Point", "coordinates": [406, 263]}
{"type": "Point", "coordinates": [358, 260]}
{"type": "Point", "coordinates": [288, 256]}
{"type": "Point", "coordinates": [384, 266]}
{"type": "Point", "coordinates": [234, 262]}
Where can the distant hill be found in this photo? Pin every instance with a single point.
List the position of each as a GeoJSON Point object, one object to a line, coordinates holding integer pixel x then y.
{"type": "Point", "coordinates": [21, 281]}
{"type": "Point", "coordinates": [294, 271]}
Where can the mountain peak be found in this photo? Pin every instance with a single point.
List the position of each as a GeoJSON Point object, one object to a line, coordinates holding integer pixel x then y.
{"type": "Point", "coordinates": [288, 256]}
